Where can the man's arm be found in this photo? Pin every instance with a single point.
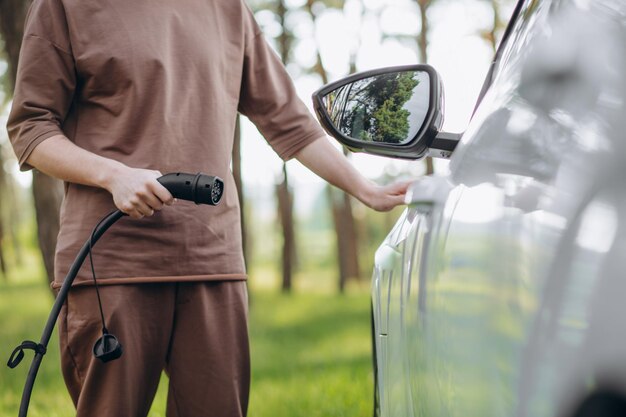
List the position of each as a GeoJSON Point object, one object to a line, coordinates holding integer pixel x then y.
{"type": "Point", "coordinates": [326, 161]}
{"type": "Point", "coordinates": [135, 191]}
{"type": "Point", "coordinates": [44, 92]}
{"type": "Point", "coordinates": [268, 98]}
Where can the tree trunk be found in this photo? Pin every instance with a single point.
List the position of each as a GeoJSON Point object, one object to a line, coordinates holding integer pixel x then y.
{"type": "Point", "coordinates": [12, 15]}
{"type": "Point", "coordinates": [9, 216]}
{"type": "Point", "coordinates": [345, 230]}
{"type": "Point", "coordinates": [48, 195]}
{"type": "Point", "coordinates": [47, 192]}
{"type": "Point", "coordinates": [496, 25]}
{"type": "Point", "coordinates": [285, 211]}
{"type": "Point", "coordinates": [3, 265]}
{"type": "Point", "coordinates": [284, 194]}
{"type": "Point", "coordinates": [239, 183]}
{"type": "Point", "coordinates": [285, 38]}
{"type": "Point", "coordinates": [14, 218]}
{"type": "Point", "coordinates": [341, 206]}
{"type": "Point", "coordinates": [422, 38]}
{"type": "Point", "coordinates": [422, 43]}
{"type": "Point", "coordinates": [3, 197]}
{"type": "Point", "coordinates": [3, 268]}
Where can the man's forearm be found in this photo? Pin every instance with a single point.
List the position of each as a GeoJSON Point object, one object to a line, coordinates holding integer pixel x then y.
{"type": "Point", "coordinates": [325, 160]}
{"type": "Point", "coordinates": [135, 191]}
{"type": "Point", "coordinates": [58, 157]}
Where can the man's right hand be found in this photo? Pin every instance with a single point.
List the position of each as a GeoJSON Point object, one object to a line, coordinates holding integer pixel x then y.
{"type": "Point", "coordinates": [137, 192]}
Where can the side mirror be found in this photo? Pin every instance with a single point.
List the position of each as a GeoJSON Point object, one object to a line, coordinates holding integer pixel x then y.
{"type": "Point", "coordinates": [394, 112]}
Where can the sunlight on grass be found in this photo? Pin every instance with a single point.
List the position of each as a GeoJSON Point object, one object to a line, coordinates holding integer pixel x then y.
{"type": "Point", "coordinates": [310, 351]}
{"type": "Point", "coordinates": [23, 311]}
{"type": "Point", "coordinates": [311, 355]}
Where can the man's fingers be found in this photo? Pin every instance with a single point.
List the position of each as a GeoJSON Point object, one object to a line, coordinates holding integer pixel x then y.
{"type": "Point", "coordinates": [136, 215]}
{"type": "Point", "coordinates": [138, 193]}
{"type": "Point", "coordinates": [399, 200]}
{"type": "Point", "coordinates": [155, 195]}
{"type": "Point", "coordinates": [399, 187]}
{"type": "Point", "coordinates": [392, 195]}
{"type": "Point", "coordinates": [133, 214]}
{"type": "Point", "coordinates": [392, 202]}
{"type": "Point", "coordinates": [162, 193]}
{"type": "Point", "coordinates": [153, 201]}
{"type": "Point", "coordinates": [142, 208]}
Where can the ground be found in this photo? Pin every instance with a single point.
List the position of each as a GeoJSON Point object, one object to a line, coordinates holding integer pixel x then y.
{"type": "Point", "coordinates": [311, 353]}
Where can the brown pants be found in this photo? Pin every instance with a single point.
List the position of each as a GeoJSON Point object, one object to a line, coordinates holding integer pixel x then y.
{"type": "Point", "coordinates": [197, 332]}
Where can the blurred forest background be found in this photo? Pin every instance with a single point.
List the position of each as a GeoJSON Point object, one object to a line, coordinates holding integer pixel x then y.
{"type": "Point", "coordinates": [309, 247]}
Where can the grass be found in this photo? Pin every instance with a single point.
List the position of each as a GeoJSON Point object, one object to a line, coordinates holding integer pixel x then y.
{"type": "Point", "coordinates": [310, 353]}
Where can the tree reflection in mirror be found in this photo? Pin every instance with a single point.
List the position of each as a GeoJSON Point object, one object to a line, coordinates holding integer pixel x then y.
{"type": "Point", "coordinates": [388, 108]}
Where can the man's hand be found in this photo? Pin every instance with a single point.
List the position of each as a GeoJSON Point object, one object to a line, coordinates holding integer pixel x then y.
{"type": "Point", "coordinates": [385, 197]}
{"type": "Point", "coordinates": [322, 158]}
{"type": "Point", "coordinates": [137, 192]}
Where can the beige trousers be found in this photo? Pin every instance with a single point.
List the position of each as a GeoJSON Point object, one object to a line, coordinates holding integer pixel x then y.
{"type": "Point", "coordinates": [196, 332]}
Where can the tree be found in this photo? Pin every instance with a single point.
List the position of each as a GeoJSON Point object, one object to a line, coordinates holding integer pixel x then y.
{"type": "Point", "coordinates": [13, 209]}
{"type": "Point", "coordinates": [341, 203]}
{"type": "Point", "coordinates": [3, 264]}
{"type": "Point", "coordinates": [236, 158]}
{"type": "Point", "coordinates": [47, 192]}
{"type": "Point", "coordinates": [422, 43]}
{"type": "Point", "coordinates": [284, 193]}
{"type": "Point", "coordinates": [491, 34]}
{"type": "Point", "coordinates": [10, 214]}
{"type": "Point", "coordinates": [285, 213]}
{"type": "Point", "coordinates": [420, 40]}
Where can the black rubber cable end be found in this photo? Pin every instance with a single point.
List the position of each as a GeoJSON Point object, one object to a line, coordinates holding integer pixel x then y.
{"type": "Point", "coordinates": [107, 348]}
{"type": "Point", "coordinates": [18, 353]}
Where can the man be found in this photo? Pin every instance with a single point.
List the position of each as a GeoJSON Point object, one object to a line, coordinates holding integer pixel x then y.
{"type": "Point", "coordinates": [111, 94]}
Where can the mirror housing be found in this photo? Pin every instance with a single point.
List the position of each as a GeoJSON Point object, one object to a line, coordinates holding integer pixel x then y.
{"type": "Point", "coordinates": [380, 97]}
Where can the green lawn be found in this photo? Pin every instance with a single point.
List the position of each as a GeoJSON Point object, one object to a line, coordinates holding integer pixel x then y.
{"type": "Point", "coordinates": [310, 354]}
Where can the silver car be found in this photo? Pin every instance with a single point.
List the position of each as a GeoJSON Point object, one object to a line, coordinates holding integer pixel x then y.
{"type": "Point", "coordinates": [501, 290]}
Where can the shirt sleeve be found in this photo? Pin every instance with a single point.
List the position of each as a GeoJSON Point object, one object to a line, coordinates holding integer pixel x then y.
{"type": "Point", "coordinates": [46, 80]}
{"type": "Point", "coordinates": [268, 98]}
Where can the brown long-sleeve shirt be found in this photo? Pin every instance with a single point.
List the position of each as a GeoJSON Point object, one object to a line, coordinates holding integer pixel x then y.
{"type": "Point", "coordinates": [155, 85]}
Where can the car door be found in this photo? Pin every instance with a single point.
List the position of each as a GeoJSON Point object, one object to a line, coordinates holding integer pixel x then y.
{"type": "Point", "coordinates": [399, 294]}
{"type": "Point", "coordinates": [484, 264]}
{"type": "Point", "coordinates": [479, 288]}
{"type": "Point", "coordinates": [391, 268]}
{"type": "Point", "coordinates": [410, 377]}
{"type": "Point", "coordinates": [411, 337]}
{"type": "Point", "coordinates": [508, 306]}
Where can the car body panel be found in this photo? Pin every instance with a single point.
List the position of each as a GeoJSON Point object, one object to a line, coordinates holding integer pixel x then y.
{"type": "Point", "coordinates": [501, 296]}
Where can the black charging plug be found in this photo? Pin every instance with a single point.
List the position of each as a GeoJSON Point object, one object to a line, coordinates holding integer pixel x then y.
{"type": "Point", "coordinates": [199, 188]}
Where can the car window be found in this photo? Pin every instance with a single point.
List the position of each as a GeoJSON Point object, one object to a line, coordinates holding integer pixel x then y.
{"type": "Point", "coordinates": [517, 42]}
{"type": "Point", "coordinates": [512, 41]}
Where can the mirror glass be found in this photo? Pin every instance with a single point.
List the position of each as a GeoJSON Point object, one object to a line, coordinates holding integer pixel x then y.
{"type": "Point", "coordinates": [388, 108]}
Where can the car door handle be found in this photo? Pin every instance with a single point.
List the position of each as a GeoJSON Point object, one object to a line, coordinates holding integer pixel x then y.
{"type": "Point", "coordinates": [429, 190]}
